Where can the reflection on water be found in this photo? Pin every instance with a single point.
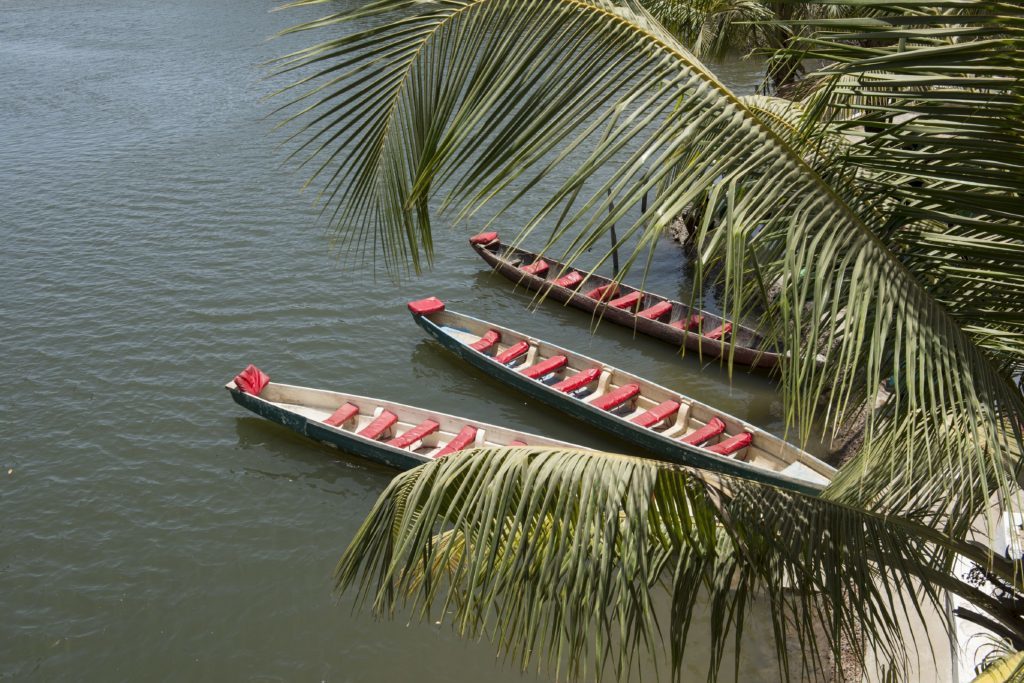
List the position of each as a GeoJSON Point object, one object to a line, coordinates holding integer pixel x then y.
{"type": "Point", "coordinates": [304, 457]}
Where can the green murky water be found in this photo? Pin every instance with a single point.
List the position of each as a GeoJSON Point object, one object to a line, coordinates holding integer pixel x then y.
{"type": "Point", "coordinates": [152, 246]}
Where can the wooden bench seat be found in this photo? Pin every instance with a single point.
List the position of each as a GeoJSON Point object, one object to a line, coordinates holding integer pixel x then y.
{"type": "Point", "coordinates": [658, 413]}
{"type": "Point", "coordinates": [459, 442]}
{"type": "Point", "coordinates": [614, 399]}
{"type": "Point", "coordinates": [732, 444]}
{"type": "Point", "coordinates": [342, 415]}
{"type": "Point", "coordinates": [690, 324]}
{"type": "Point", "coordinates": [380, 424]}
{"type": "Point", "coordinates": [713, 428]}
{"type": "Point", "coordinates": [658, 310]}
{"type": "Point", "coordinates": [490, 338]}
{"type": "Point", "coordinates": [627, 302]}
{"type": "Point", "coordinates": [538, 268]}
{"type": "Point", "coordinates": [512, 352]}
{"type": "Point", "coordinates": [604, 292]}
{"type": "Point", "coordinates": [720, 332]}
{"type": "Point", "coordinates": [578, 381]}
{"type": "Point", "coordinates": [570, 281]}
{"type": "Point", "coordinates": [417, 433]}
{"type": "Point", "coordinates": [545, 367]}
{"type": "Point", "coordinates": [484, 238]}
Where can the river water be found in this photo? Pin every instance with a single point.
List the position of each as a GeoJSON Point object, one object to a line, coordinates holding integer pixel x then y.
{"type": "Point", "coordinates": [152, 246]}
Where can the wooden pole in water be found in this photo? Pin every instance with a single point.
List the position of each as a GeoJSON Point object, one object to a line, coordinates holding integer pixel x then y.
{"type": "Point", "coordinates": [611, 204]}
{"type": "Point", "coordinates": [615, 239]}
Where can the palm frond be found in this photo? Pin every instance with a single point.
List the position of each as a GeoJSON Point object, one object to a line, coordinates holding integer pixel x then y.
{"type": "Point", "coordinates": [714, 29]}
{"type": "Point", "coordinates": [933, 111]}
{"type": "Point", "coordinates": [1008, 669]}
{"type": "Point", "coordinates": [468, 101]}
{"type": "Point", "coordinates": [589, 561]}
{"type": "Point", "coordinates": [930, 100]}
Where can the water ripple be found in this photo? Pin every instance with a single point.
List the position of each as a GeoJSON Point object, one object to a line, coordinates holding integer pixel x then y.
{"type": "Point", "coordinates": [152, 247]}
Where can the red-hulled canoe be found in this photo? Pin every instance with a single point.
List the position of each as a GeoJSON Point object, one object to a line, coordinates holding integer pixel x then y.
{"type": "Point", "coordinates": [670, 321]}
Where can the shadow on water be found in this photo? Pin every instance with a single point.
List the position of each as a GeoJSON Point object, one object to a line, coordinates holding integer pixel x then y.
{"type": "Point", "coordinates": [306, 459]}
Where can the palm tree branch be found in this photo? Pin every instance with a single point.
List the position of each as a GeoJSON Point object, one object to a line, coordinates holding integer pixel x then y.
{"type": "Point", "coordinates": [562, 554]}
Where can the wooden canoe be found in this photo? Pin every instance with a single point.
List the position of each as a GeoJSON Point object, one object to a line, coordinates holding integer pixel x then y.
{"type": "Point", "coordinates": [671, 321]}
{"type": "Point", "coordinates": [665, 423]}
{"type": "Point", "coordinates": [390, 433]}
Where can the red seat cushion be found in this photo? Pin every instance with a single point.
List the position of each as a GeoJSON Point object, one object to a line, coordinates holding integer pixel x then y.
{"type": "Point", "coordinates": [484, 238]}
{"type": "Point", "coordinates": [658, 310]}
{"type": "Point", "coordinates": [572, 280]}
{"type": "Point", "coordinates": [490, 338]}
{"type": "Point", "coordinates": [252, 380]}
{"type": "Point", "coordinates": [578, 381]}
{"type": "Point", "coordinates": [631, 300]}
{"type": "Point", "coordinates": [426, 306]}
{"type": "Point", "coordinates": [614, 399]}
{"type": "Point", "coordinates": [545, 367]}
{"type": "Point", "coordinates": [732, 444]}
{"type": "Point", "coordinates": [512, 352]}
{"type": "Point", "coordinates": [463, 439]}
{"type": "Point", "coordinates": [720, 332]}
{"type": "Point", "coordinates": [604, 292]}
{"type": "Point", "coordinates": [379, 425]}
{"type": "Point", "coordinates": [538, 268]}
{"type": "Point", "coordinates": [689, 324]}
{"type": "Point", "coordinates": [658, 413]}
{"type": "Point", "coordinates": [713, 428]}
{"type": "Point", "coordinates": [342, 415]}
{"type": "Point", "coordinates": [423, 429]}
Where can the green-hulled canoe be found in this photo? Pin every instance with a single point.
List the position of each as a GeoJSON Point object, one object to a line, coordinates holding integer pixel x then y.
{"type": "Point", "coordinates": [390, 433]}
{"type": "Point", "coordinates": [665, 423]}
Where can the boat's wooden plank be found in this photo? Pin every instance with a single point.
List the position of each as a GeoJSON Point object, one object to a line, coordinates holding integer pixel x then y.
{"type": "Point", "coordinates": [464, 439]}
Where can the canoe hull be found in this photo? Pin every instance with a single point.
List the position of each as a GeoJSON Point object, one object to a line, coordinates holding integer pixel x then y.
{"type": "Point", "coordinates": [706, 348]}
{"type": "Point", "coordinates": [316, 431]}
{"type": "Point", "coordinates": [663, 448]}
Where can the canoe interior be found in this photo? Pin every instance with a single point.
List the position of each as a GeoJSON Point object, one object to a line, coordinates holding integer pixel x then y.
{"type": "Point", "coordinates": [748, 346]}
{"type": "Point", "coordinates": [313, 406]}
{"type": "Point", "coordinates": [765, 451]}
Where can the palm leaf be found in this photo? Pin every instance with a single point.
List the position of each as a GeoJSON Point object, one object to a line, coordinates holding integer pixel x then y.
{"type": "Point", "coordinates": [565, 558]}
{"type": "Point", "coordinates": [715, 29]}
{"type": "Point", "coordinates": [934, 111]}
{"type": "Point", "coordinates": [469, 101]}
{"type": "Point", "coordinates": [1009, 669]}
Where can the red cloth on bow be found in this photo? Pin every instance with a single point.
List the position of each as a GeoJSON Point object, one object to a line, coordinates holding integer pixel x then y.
{"type": "Point", "coordinates": [252, 380]}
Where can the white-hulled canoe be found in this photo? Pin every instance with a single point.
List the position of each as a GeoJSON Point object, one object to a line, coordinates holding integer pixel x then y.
{"type": "Point", "coordinates": [391, 433]}
{"type": "Point", "coordinates": [666, 423]}
{"type": "Point", "coordinates": [646, 312]}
